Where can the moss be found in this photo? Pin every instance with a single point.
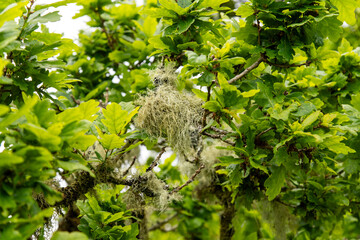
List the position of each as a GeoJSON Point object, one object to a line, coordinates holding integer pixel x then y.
{"type": "Point", "coordinates": [173, 115]}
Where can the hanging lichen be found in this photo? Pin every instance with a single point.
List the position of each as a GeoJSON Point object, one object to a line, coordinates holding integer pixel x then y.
{"type": "Point", "coordinates": [166, 112]}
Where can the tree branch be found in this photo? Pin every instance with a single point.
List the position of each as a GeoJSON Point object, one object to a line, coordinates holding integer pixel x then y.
{"type": "Point", "coordinates": [128, 169]}
{"type": "Point", "coordinates": [159, 224]}
{"type": "Point", "coordinates": [246, 71]}
{"type": "Point", "coordinates": [192, 178]}
{"type": "Point", "coordinates": [215, 136]}
{"type": "Point", "coordinates": [156, 161]}
{"type": "Point", "coordinates": [307, 63]}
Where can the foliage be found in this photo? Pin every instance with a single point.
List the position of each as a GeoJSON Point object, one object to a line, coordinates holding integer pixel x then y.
{"type": "Point", "coordinates": [277, 82]}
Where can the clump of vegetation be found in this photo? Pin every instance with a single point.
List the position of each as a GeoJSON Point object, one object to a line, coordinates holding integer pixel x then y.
{"type": "Point", "coordinates": [171, 114]}
{"type": "Point", "coordinates": [152, 186]}
{"type": "Point", "coordinates": [164, 75]}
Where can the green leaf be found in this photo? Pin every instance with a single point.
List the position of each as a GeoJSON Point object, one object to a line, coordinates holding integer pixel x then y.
{"type": "Point", "coordinates": [4, 109]}
{"type": "Point", "coordinates": [278, 113]}
{"type": "Point", "coordinates": [214, 4]}
{"type": "Point", "coordinates": [44, 137]}
{"type": "Point", "coordinates": [173, 6]}
{"type": "Point", "coordinates": [244, 10]}
{"type": "Point", "coordinates": [10, 118]}
{"type": "Point", "coordinates": [200, 94]}
{"type": "Point", "coordinates": [111, 141]}
{"type": "Point", "coordinates": [212, 106]}
{"type": "Point", "coordinates": [150, 24]}
{"type": "Point", "coordinates": [95, 92]}
{"type": "Point", "coordinates": [335, 145]}
{"type": "Point", "coordinates": [310, 119]}
{"type": "Point", "coordinates": [250, 93]}
{"type": "Point", "coordinates": [69, 236]}
{"type": "Point", "coordinates": [195, 59]}
{"type": "Point", "coordinates": [74, 165]}
{"type": "Point", "coordinates": [9, 32]}
{"type": "Point", "coordinates": [206, 79]}
{"type": "Point", "coordinates": [50, 17]}
{"type": "Point", "coordinates": [81, 141]}
{"type": "Point", "coordinates": [11, 12]}
{"type": "Point", "coordinates": [8, 158]}
{"type": "Point", "coordinates": [89, 110]}
{"type": "Point", "coordinates": [184, 3]}
{"type": "Point", "coordinates": [185, 24]}
{"type": "Point", "coordinates": [114, 217]}
{"type": "Point", "coordinates": [257, 165]}
{"type": "Point", "coordinates": [116, 119]}
{"type": "Point", "coordinates": [275, 182]}
{"type": "Point", "coordinates": [71, 129]}
{"type": "Point", "coordinates": [355, 101]}
{"type": "Point", "coordinates": [285, 49]}
{"type": "Point", "coordinates": [347, 10]}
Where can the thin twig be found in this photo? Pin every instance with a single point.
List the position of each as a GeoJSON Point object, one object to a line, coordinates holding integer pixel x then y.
{"type": "Point", "coordinates": [215, 136]}
{"type": "Point", "coordinates": [307, 63]}
{"type": "Point", "coordinates": [108, 36]}
{"type": "Point", "coordinates": [265, 131]}
{"type": "Point", "coordinates": [159, 224]}
{"type": "Point", "coordinates": [206, 112]}
{"type": "Point", "coordinates": [246, 71]}
{"type": "Point", "coordinates": [156, 161]}
{"type": "Point", "coordinates": [173, 228]}
{"type": "Point", "coordinates": [220, 131]}
{"type": "Point", "coordinates": [192, 178]}
{"type": "Point", "coordinates": [128, 169]}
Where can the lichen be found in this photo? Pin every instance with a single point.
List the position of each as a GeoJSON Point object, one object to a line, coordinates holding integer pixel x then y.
{"type": "Point", "coordinates": [164, 75]}
{"type": "Point", "coordinates": [135, 197]}
{"type": "Point", "coordinates": [176, 116]}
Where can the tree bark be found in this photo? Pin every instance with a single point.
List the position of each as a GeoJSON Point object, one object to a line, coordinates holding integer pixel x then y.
{"type": "Point", "coordinates": [226, 227]}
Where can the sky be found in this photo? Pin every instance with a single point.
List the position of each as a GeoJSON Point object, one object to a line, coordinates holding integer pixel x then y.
{"type": "Point", "coordinates": [68, 26]}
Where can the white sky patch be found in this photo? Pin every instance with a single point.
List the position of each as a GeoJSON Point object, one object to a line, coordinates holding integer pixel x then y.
{"type": "Point", "coordinates": [68, 26]}
{"type": "Point", "coordinates": [2, 146]}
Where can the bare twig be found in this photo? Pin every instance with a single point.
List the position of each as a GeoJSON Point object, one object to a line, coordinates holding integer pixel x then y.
{"type": "Point", "coordinates": [265, 131]}
{"type": "Point", "coordinates": [215, 136]}
{"type": "Point", "coordinates": [156, 161]}
{"type": "Point", "coordinates": [159, 224]}
{"type": "Point", "coordinates": [173, 228]}
{"type": "Point", "coordinates": [110, 39]}
{"type": "Point", "coordinates": [128, 169]}
{"type": "Point", "coordinates": [77, 102]}
{"type": "Point", "coordinates": [307, 63]}
{"type": "Point", "coordinates": [206, 112]}
{"type": "Point", "coordinates": [192, 178]}
{"type": "Point", "coordinates": [220, 131]}
{"type": "Point", "coordinates": [246, 71]}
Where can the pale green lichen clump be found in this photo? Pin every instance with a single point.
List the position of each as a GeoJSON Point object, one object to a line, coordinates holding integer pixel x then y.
{"type": "Point", "coordinates": [164, 75]}
{"type": "Point", "coordinates": [173, 115]}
